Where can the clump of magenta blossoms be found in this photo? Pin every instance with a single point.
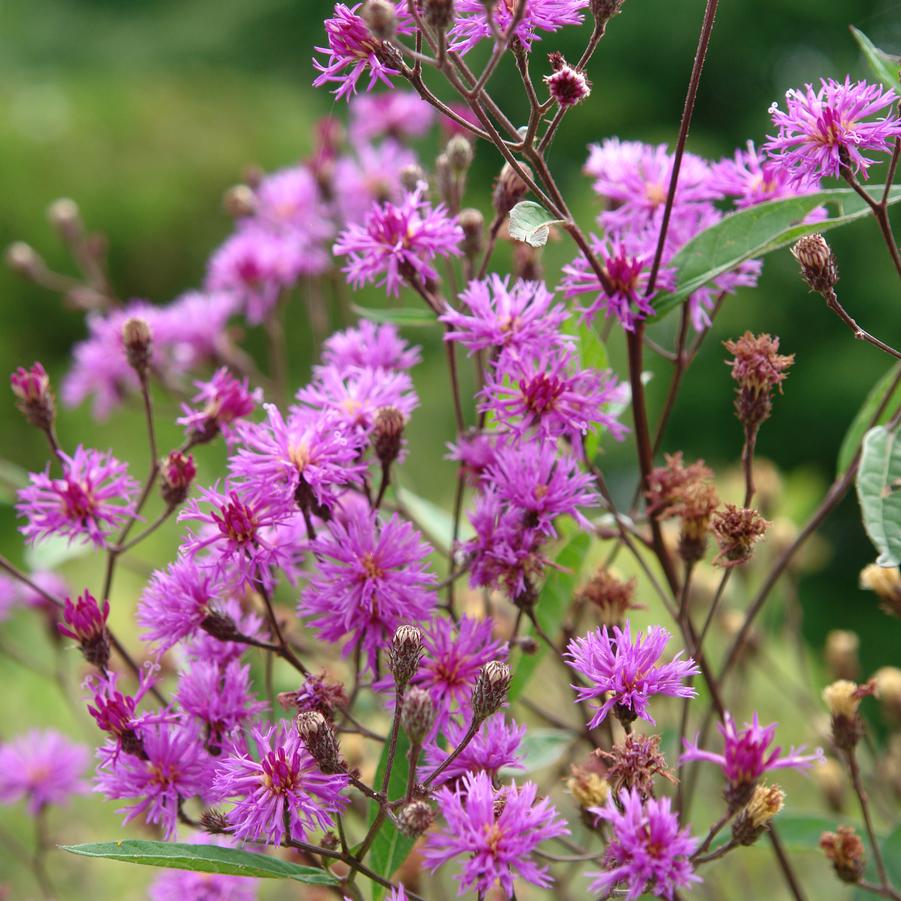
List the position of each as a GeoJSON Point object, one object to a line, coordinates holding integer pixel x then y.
{"type": "Point", "coordinates": [94, 497]}
{"type": "Point", "coordinates": [747, 756]}
{"type": "Point", "coordinates": [43, 768]}
{"type": "Point", "coordinates": [495, 831]}
{"type": "Point", "coordinates": [648, 851]}
{"type": "Point", "coordinates": [830, 129]}
{"type": "Point", "coordinates": [399, 242]}
{"type": "Point", "coordinates": [493, 748]}
{"type": "Point", "coordinates": [626, 672]}
{"type": "Point", "coordinates": [284, 793]}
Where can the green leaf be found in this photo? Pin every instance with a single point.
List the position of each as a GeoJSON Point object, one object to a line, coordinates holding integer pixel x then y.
{"type": "Point", "coordinates": [891, 853]}
{"type": "Point", "coordinates": [539, 748]}
{"type": "Point", "coordinates": [390, 848]}
{"type": "Point", "coordinates": [884, 65]}
{"type": "Point", "coordinates": [203, 859]}
{"type": "Point", "coordinates": [12, 478]}
{"type": "Point", "coordinates": [879, 493]}
{"type": "Point", "coordinates": [552, 602]}
{"type": "Point", "coordinates": [593, 355]}
{"type": "Point", "coordinates": [754, 232]}
{"type": "Point", "coordinates": [865, 416]}
{"type": "Point", "coordinates": [531, 222]}
{"type": "Point", "coordinates": [49, 553]}
{"type": "Point", "coordinates": [415, 317]}
{"type": "Point", "coordinates": [434, 521]}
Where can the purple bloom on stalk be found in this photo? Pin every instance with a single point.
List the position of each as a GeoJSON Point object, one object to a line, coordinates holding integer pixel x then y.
{"type": "Point", "coordinates": [475, 452]}
{"type": "Point", "coordinates": [285, 784]}
{"type": "Point", "coordinates": [398, 114]}
{"type": "Point", "coordinates": [181, 885]}
{"type": "Point", "coordinates": [472, 24]}
{"type": "Point", "coordinates": [626, 672]}
{"type": "Point", "coordinates": [398, 242]}
{"type": "Point", "coordinates": [220, 402]}
{"type": "Point", "coordinates": [288, 202]}
{"type": "Point", "coordinates": [493, 748]}
{"type": "Point", "coordinates": [352, 49]}
{"type": "Point", "coordinates": [84, 621]}
{"type": "Point", "coordinates": [370, 176]}
{"type": "Point", "coordinates": [175, 767]}
{"type": "Point", "coordinates": [648, 851]}
{"type": "Point", "coordinates": [496, 830]}
{"type": "Point", "coordinates": [541, 392]}
{"type": "Point", "coordinates": [371, 577]}
{"type": "Point", "coordinates": [94, 496]}
{"type": "Point", "coordinates": [43, 767]}
{"type": "Point", "coordinates": [368, 345]}
{"type": "Point", "coordinates": [747, 756]}
{"type": "Point", "coordinates": [825, 129]}
{"type": "Point", "coordinates": [521, 318]}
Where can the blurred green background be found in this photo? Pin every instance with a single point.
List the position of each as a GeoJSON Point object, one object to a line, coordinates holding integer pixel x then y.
{"type": "Point", "coordinates": [144, 112]}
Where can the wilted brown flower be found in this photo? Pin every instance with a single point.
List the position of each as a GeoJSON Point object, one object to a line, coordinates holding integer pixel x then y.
{"type": "Point", "coordinates": [737, 530]}
{"type": "Point", "coordinates": [610, 597]}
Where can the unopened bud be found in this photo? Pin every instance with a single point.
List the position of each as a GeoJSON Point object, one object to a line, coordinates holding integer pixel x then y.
{"type": "Point", "coordinates": [439, 14]}
{"type": "Point", "coordinates": [509, 189]}
{"type": "Point", "coordinates": [415, 818]}
{"type": "Point", "coordinates": [755, 816]}
{"type": "Point", "coordinates": [526, 643]}
{"type": "Point", "coordinates": [417, 715]}
{"type": "Point", "coordinates": [177, 471]}
{"type": "Point", "coordinates": [214, 822]}
{"type": "Point", "coordinates": [490, 690]}
{"type": "Point", "coordinates": [388, 434]}
{"type": "Point", "coordinates": [459, 153]}
{"type": "Point", "coordinates": [137, 340]}
{"type": "Point", "coordinates": [473, 224]}
{"type": "Point", "coordinates": [380, 18]}
{"type": "Point", "coordinates": [887, 680]}
{"type": "Point", "coordinates": [526, 262]}
{"type": "Point", "coordinates": [841, 654]}
{"type": "Point", "coordinates": [404, 654]}
{"type": "Point", "coordinates": [219, 626]}
{"type": "Point", "coordinates": [846, 852]}
{"type": "Point", "coordinates": [239, 201]}
{"type": "Point", "coordinates": [818, 266]}
{"type": "Point", "coordinates": [445, 179]}
{"type": "Point", "coordinates": [829, 776]}
{"type": "Point", "coordinates": [411, 176]}
{"type": "Point", "coordinates": [24, 260]}
{"type": "Point", "coordinates": [317, 735]}
{"type": "Point", "coordinates": [565, 84]}
{"type": "Point", "coordinates": [65, 217]}
{"type": "Point", "coordinates": [34, 398]}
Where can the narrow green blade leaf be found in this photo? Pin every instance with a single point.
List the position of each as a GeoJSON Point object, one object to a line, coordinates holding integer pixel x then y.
{"type": "Point", "coordinates": [879, 493]}
{"type": "Point", "coordinates": [754, 232]}
{"type": "Point", "coordinates": [891, 853]}
{"type": "Point", "coordinates": [415, 317]}
{"type": "Point", "coordinates": [865, 414]}
{"type": "Point", "coordinates": [555, 595]}
{"type": "Point", "coordinates": [531, 222]}
{"type": "Point", "coordinates": [539, 748]}
{"type": "Point", "coordinates": [884, 65]}
{"type": "Point", "coordinates": [203, 859]}
{"type": "Point", "coordinates": [435, 521]}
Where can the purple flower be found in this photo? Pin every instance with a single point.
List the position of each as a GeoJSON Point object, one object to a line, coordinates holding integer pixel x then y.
{"type": "Point", "coordinates": [117, 714]}
{"type": "Point", "coordinates": [496, 830]}
{"type": "Point", "coordinates": [175, 767]}
{"type": "Point", "coordinates": [398, 114]}
{"type": "Point", "coordinates": [398, 242]}
{"type": "Point", "coordinates": [472, 25]}
{"type": "Point", "coordinates": [522, 318]}
{"type": "Point", "coordinates": [221, 401]}
{"type": "Point", "coordinates": [492, 749]}
{"type": "Point", "coordinates": [288, 202]}
{"type": "Point", "coordinates": [541, 392]}
{"type": "Point", "coordinates": [43, 767]}
{"type": "Point", "coordinates": [372, 346]}
{"type": "Point", "coordinates": [286, 784]}
{"type": "Point", "coordinates": [85, 622]}
{"type": "Point", "coordinates": [94, 496]}
{"type": "Point", "coordinates": [51, 582]}
{"type": "Point", "coordinates": [822, 130]}
{"type": "Point", "coordinates": [370, 176]}
{"type": "Point", "coordinates": [196, 328]}
{"type": "Point", "coordinates": [648, 851]}
{"type": "Point", "coordinates": [352, 49]}
{"type": "Point", "coordinates": [453, 656]}
{"type": "Point", "coordinates": [747, 756]}
{"type": "Point", "coordinates": [475, 452]}
{"type": "Point", "coordinates": [181, 885]}
{"type": "Point", "coordinates": [532, 477]}
{"type": "Point", "coordinates": [628, 670]}
{"type": "Point", "coordinates": [371, 577]}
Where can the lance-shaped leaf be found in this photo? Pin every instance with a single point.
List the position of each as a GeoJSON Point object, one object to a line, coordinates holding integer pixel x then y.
{"type": "Point", "coordinates": [416, 317]}
{"type": "Point", "coordinates": [884, 65]}
{"type": "Point", "coordinates": [878, 397]}
{"type": "Point", "coordinates": [879, 492]}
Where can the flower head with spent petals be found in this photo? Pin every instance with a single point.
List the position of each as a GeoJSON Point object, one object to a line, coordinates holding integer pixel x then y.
{"type": "Point", "coordinates": [610, 597]}
{"type": "Point", "coordinates": [284, 788]}
{"type": "Point", "coordinates": [372, 346]}
{"type": "Point", "coordinates": [670, 486]}
{"type": "Point", "coordinates": [398, 242]}
{"type": "Point", "coordinates": [221, 402]}
{"type": "Point", "coordinates": [626, 672]}
{"type": "Point", "coordinates": [94, 497]}
{"type": "Point", "coordinates": [371, 577]}
{"type": "Point", "coordinates": [737, 530]}
{"type": "Point", "coordinates": [43, 767]}
{"type": "Point", "coordinates": [825, 130]}
{"type": "Point", "coordinates": [747, 756]}
{"type": "Point", "coordinates": [493, 748]}
{"type": "Point", "coordinates": [496, 830]}
{"type": "Point", "coordinates": [648, 850]}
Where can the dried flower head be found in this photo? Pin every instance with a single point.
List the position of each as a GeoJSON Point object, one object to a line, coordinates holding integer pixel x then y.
{"type": "Point", "coordinates": [887, 680]}
{"type": "Point", "coordinates": [759, 368]}
{"type": "Point", "coordinates": [635, 764]}
{"type": "Point", "coordinates": [737, 530]}
{"type": "Point", "coordinates": [696, 506]}
{"type": "Point", "coordinates": [755, 816]}
{"type": "Point", "coordinates": [587, 784]}
{"type": "Point", "coordinates": [843, 699]}
{"type": "Point", "coordinates": [846, 852]}
{"type": "Point", "coordinates": [667, 485]}
{"type": "Point", "coordinates": [885, 582]}
{"type": "Point", "coordinates": [611, 598]}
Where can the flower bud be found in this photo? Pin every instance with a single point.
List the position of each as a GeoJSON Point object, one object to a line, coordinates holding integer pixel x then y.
{"type": "Point", "coordinates": [137, 340]}
{"type": "Point", "coordinates": [34, 398]}
{"type": "Point", "coordinates": [885, 581]}
{"type": "Point", "coordinates": [317, 735]}
{"type": "Point", "coordinates": [219, 626]}
{"type": "Point", "coordinates": [439, 14]}
{"type": "Point", "coordinates": [509, 189]}
{"type": "Point", "coordinates": [755, 816]}
{"type": "Point", "coordinates": [177, 472]}
{"type": "Point", "coordinates": [411, 176]}
{"type": "Point", "coordinates": [213, 821]}
{"type": "Point", "coordinates": [65, 217]}
{"type": "Point", "coordinates": [380, 18]}
{"type": "Point", "coordinates": [388, 434]}
{"type": "Point", "coordinates": [887, 680]}
{"type": "Point", "coordinates": [404, 654]}
{"type": "Point", "coordinates": [24, 260]}
{"type": "Point", "coordinates": [829, 775]}
{"type": "Point", "coordinates": [818, 266]}
{"type": "Point", "coordinates": [239, 201]}
{"type": "Point", "coordinates": [845, 850]}
{"type": "Point", "coordinates": [841, 654]}
{"type": "Point", "coordinates": [85, 622]}
{"type": "Point", "coordinates": [565, 84]}
{"type": "Point", "coordinates": [459, 154]}
{"type": "Point", "coordinates": [417, 714]}
{"type": "Point", "coordinates": [473, 224]}
{"type": "Point", "coordinates": [604, 10]}
{"type": "Point", "coordinates": [526, 264]}
{"type": "Point", "coordinates": [415, 818]}
{"type": "Point", "coordinates": [490, 690]}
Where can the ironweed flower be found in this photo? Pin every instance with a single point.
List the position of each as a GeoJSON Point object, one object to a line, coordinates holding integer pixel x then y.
{"type": "Point", "coordinates": [368, 345]}
{"type": "Point", "coordinates": [43, 767]}
{"type": "Point", "coordinates": [568, 86]}
{"type": "Point", "coordinates": [398, 114]}
{"type": "Point", "coordinates": [31, 388]}
{"type": "Point", "coordinates": [221, 402]}
{"type": "Point", "coordinates": [85, 622]}
{"type": "Point", "coordinates": [758, 368]}
{"type": "Point", "coordinates": [737, 530]}
{"type": "Point", "coordinates": [493, 748]}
